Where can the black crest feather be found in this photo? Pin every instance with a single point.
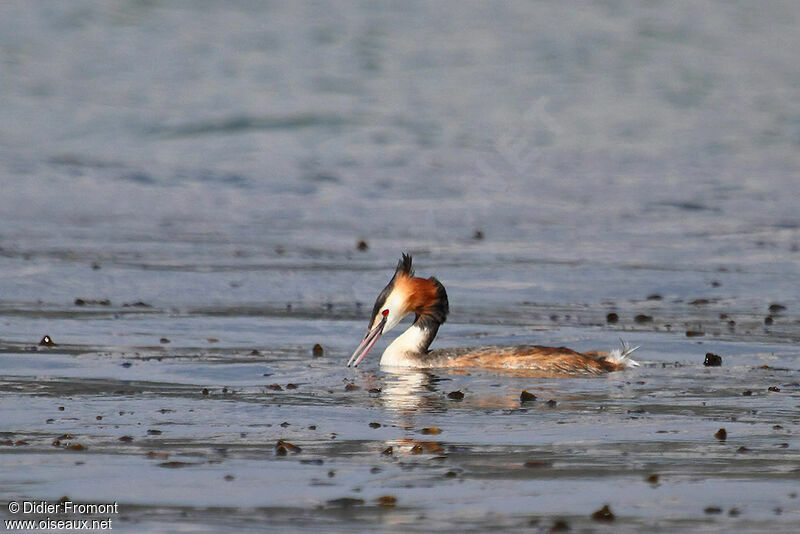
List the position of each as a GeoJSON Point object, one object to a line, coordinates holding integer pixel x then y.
{"type": "Point", "coordinates": [404, 266]}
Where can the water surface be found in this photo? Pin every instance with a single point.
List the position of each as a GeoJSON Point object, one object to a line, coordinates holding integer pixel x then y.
{"type": "Point", "coordinates": [182, 184]}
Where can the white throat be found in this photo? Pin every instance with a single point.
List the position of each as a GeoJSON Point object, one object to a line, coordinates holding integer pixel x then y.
{"type": "Point", "coordinates": [407, 348]}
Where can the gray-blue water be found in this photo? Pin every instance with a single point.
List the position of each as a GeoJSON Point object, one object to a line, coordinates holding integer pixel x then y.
{"type": "Point", "coordinates": [199, 174]}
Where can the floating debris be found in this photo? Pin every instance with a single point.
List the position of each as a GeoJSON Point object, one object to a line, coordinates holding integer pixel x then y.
{"type": "Point", "coordinates": [154, 432]}
{"type": "Point", "coordinates": [164, 340]}
{"type": "Point", "coordinates": [126, 439]}
{"type": "Point", "coordinates": [560, 526]}
{"type": "Point", "coordinates": [386, 501]}
{"type": "Point", "coordinates": [317, 351]}
{"type": "Point", "coordinates": [288, 386]}
{"type": "Point", "coordinates": [47, 341]}
{"type": "Point", "coordinates": [346, 502]}
{"type": "Point", "coordinates": [747, 393]}
{"type": "Point", "coordinates": [431, 430]}
{"type": "Point", "coordinates": [286, 446]}
{"type": "Point", "coordinates": [652, 479]}
{"type": "Point", "coordinates": [643, 319]}
{"type": "Point", "coordinates": [776, 308]}
{"type": "Point", "coordinates": [721, 434]}
{"type": "Point", "coordinates": [205, 391]}
{"type": "Point", "coordinates": [712, 360]}
{"type": "Point", "coordinates": [275, 387]}
{"type": "Point", "coordinates": [604, 514]}
{"type": "Point", "coordinates": [92, 302]}
{"type": "Point", "coordinates": [362, 246]}
{"type": "Point", "coordinates": [477, 235]}
{"type": "Point", "coordinates": [551, 403]}
{"type": "Point", "coordinates": [695, 333]}
{"type": "Point", "coordinates": [768, 320]}
{"type": "Point", "coordinates": [375, 425]}
{"type": "Point", "coordinates": [537, 464]}
{"type": "Point", "coordinates": [654, 296]}
{"type": "Point", "coordinates": [712, 510]}
{"type": "Point", "coordinates": [775, 389]}
{"type": "Point", "coordinates": [137, 304]}
{"type": "Point", "coordinates": [175, 464]}
{"type": "Point", "coordinates": [526, 396]}
{"type": "Point", "coordinates": [388, 451]}
{"type": "Point", "coordinates": [612, 318]}
{"type": "Point", "coordinates": [455, 395]}
{"type": "Point", "coordinates": [351, 387]}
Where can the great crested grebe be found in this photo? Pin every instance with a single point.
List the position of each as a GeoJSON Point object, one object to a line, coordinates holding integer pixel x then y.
{"type": "Point", "coordinates": [427, 299]}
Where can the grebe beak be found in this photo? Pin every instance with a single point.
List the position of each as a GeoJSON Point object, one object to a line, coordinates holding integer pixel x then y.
{"type": "Point", "coordinates": [369, 341]}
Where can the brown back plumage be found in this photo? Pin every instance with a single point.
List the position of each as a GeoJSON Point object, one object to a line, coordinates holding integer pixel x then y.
{"type": "Point", "coordinates": [534, 359]}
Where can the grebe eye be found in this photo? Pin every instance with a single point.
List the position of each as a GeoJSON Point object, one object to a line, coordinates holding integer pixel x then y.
{"type": "Point", "coordinates": [385, 313]}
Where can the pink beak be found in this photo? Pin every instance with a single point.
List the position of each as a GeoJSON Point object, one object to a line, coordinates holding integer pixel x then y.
{"type": "Point", "coordinates": [369, 341]}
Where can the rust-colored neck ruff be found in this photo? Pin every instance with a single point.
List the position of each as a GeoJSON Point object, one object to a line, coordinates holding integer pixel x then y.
{"type": "Point", "coordinates": [425, 297]}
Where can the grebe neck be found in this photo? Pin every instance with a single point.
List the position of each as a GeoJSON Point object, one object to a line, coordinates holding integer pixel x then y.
{"type": "Point", "coordinates": [411, 346]}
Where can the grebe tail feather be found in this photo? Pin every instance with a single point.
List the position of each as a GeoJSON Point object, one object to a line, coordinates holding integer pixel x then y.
{"type": "Point", "coordinates": [621, 356]}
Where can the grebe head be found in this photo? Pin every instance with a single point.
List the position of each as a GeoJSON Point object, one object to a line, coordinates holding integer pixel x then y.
{"type": "Point", "coordinates": [404, 294]}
